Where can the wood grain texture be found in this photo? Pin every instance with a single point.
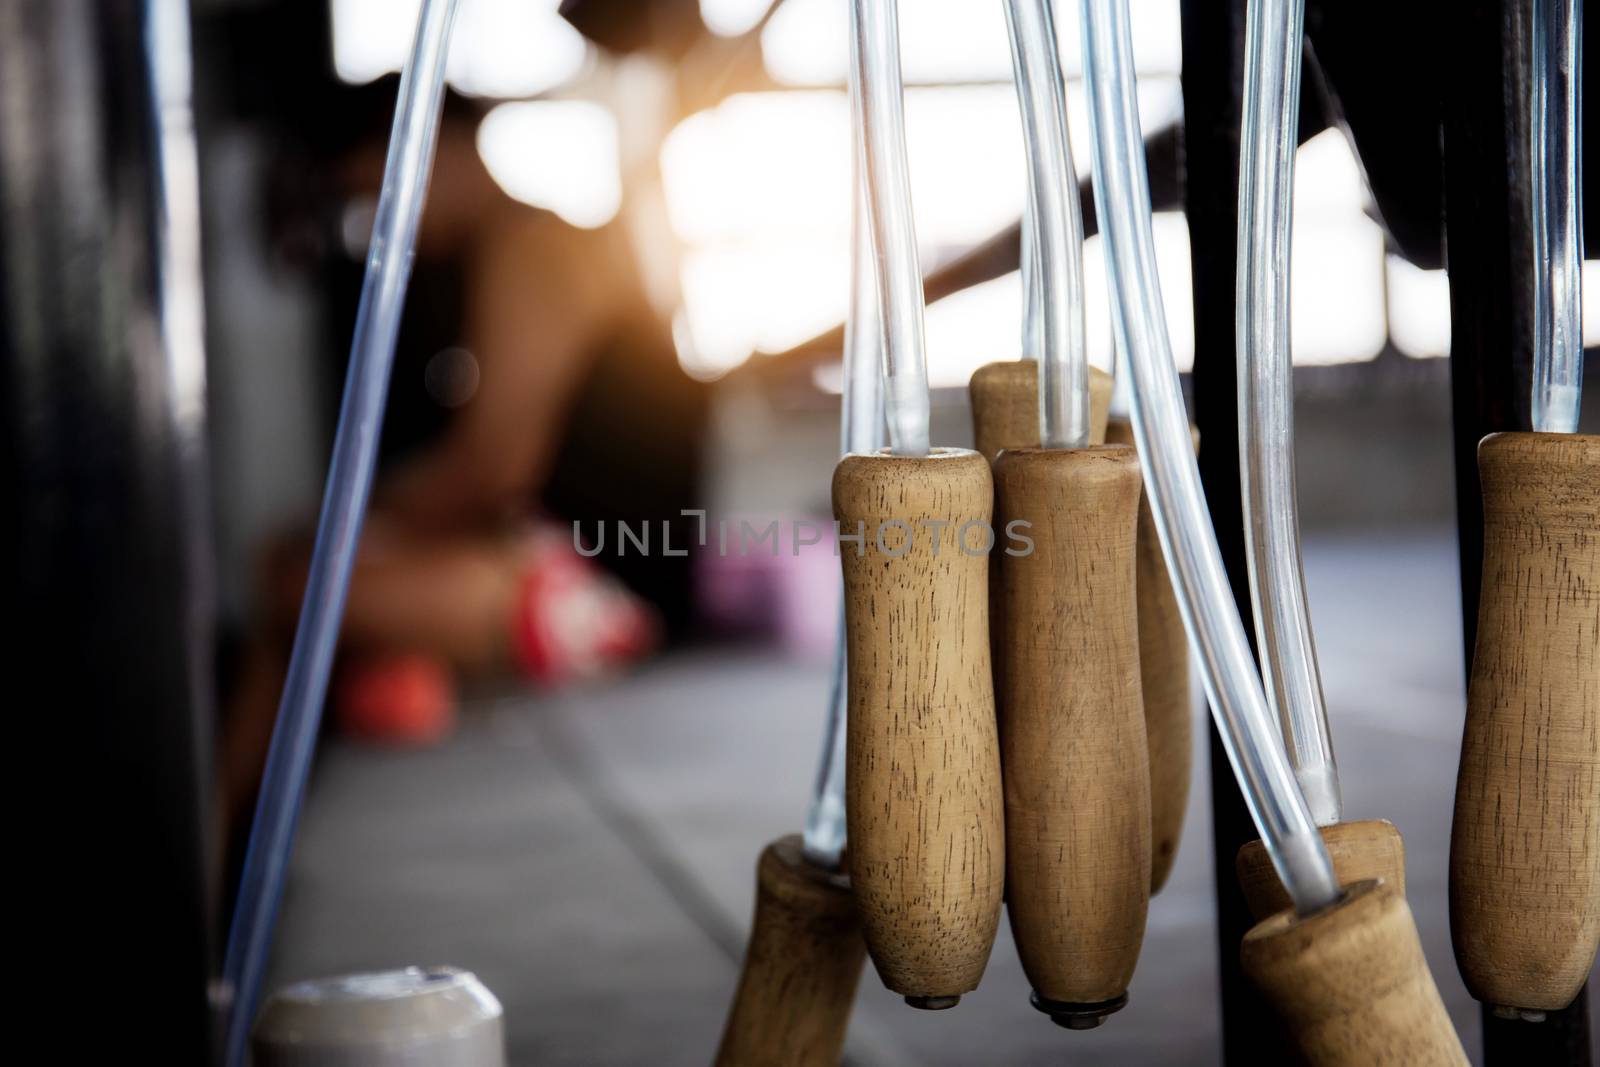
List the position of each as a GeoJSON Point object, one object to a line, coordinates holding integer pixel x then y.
{"type": "Point", "coordinates": [1362, 850]}
{"type": "Point", "coordinates": [1005, 414]}
{"type": "Point", "coordinates": [1351, 985]}
{"type": "Point", "coordinates": [1164, 673]}
{"type": "Point", "coordinates": [1005, 406]}
{"type": "Point", "coordinates": [1525, 845]}
{"type": "Point", "coordinates": [1073, 750]}
{"type": "Point", "coordinates": [923, 797]}
{"type": "Point", "coordinates": [801, 967]}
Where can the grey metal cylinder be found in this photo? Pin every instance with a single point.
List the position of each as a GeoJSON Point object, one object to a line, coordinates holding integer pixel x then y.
{"type": "Point", "coordinates": [412, 1017]}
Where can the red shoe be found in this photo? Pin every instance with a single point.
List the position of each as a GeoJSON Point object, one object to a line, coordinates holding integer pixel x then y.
{"type": "Point", "coordinates": [406, 699]}
{"type": "Point", "coordinates": [573, 619]}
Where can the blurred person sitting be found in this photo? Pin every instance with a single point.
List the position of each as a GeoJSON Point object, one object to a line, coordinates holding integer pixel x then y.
{"type": "Point", "coordinates": [531, 379]}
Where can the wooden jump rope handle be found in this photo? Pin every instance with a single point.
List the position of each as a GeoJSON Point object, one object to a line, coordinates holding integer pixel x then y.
{"type": "Point", "coordinates": [1351, 985]}
{"type": "Point", "coordinates": [1525, 845]}
{"type": "Point", "coordinates": [1164, 672]}
{"type": "Point", "coordinates": [1363, 850]}
{"type": "Point", "coordinates": [1073, 750]}
{"type": "Point", "coordinates": [1005, 406]}
{"type": "Point", "coordinates": [923, 797]}
{"type": "Point", "coordinates": [801, 967]}
{"type": "Point", "coordinates": [1005, 414]}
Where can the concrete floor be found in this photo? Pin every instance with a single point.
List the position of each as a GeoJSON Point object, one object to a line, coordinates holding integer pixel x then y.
{"type": "Point", "coordinates": [591, 855]}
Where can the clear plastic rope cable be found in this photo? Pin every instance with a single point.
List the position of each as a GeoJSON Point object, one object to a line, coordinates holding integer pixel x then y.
{"type": "Point", "coordinates": [1166, 455]}
{"type": "Point", "coordinates": [1266, 400]}
{"type": "Point", "coordinates": [880, 115]}
{"type": "Point", "coordinates": [1053, 284]}
{"type": "Point", "coordinates": [860, 430]}
{"type": "Point", "coordinates": [344, 503]}
{"type": "Point", "coordinates": [1555, 155]}
{"type": "Point", "coordinates": [1028, 263]}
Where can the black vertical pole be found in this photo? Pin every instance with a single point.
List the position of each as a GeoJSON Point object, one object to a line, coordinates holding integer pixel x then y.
{"type": "Point", "coordinates": [1488, 250]}
{"type": "Point", "coordinates": [100, 427]}
{"type": "Point", "coordinates": [1489, 253]}
{"type": "Point", "coordinates": [1213, 83]}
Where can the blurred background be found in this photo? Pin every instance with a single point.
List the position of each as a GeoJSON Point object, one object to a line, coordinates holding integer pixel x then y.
{"type": "Point", "coordinates": [556, 767]}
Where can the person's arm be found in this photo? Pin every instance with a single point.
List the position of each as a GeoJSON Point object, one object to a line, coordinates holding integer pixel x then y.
{"type": "Point", "coordinates": [534, 313]}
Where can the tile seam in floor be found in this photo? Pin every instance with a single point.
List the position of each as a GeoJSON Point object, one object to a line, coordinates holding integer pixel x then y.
{"type": "Point", "coordinates": [577, 762]}
{"type": "Point", "coordinates": [574, 759]}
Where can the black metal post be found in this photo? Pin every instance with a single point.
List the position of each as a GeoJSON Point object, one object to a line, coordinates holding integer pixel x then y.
{"type": "Point", "coordinates": [101, 416]}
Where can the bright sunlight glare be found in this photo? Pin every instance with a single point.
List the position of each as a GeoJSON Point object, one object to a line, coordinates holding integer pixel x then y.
{"type": "Point", "coordinates": [500, 48]}
{"type": "Point", "coordinates": [560, 155]}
